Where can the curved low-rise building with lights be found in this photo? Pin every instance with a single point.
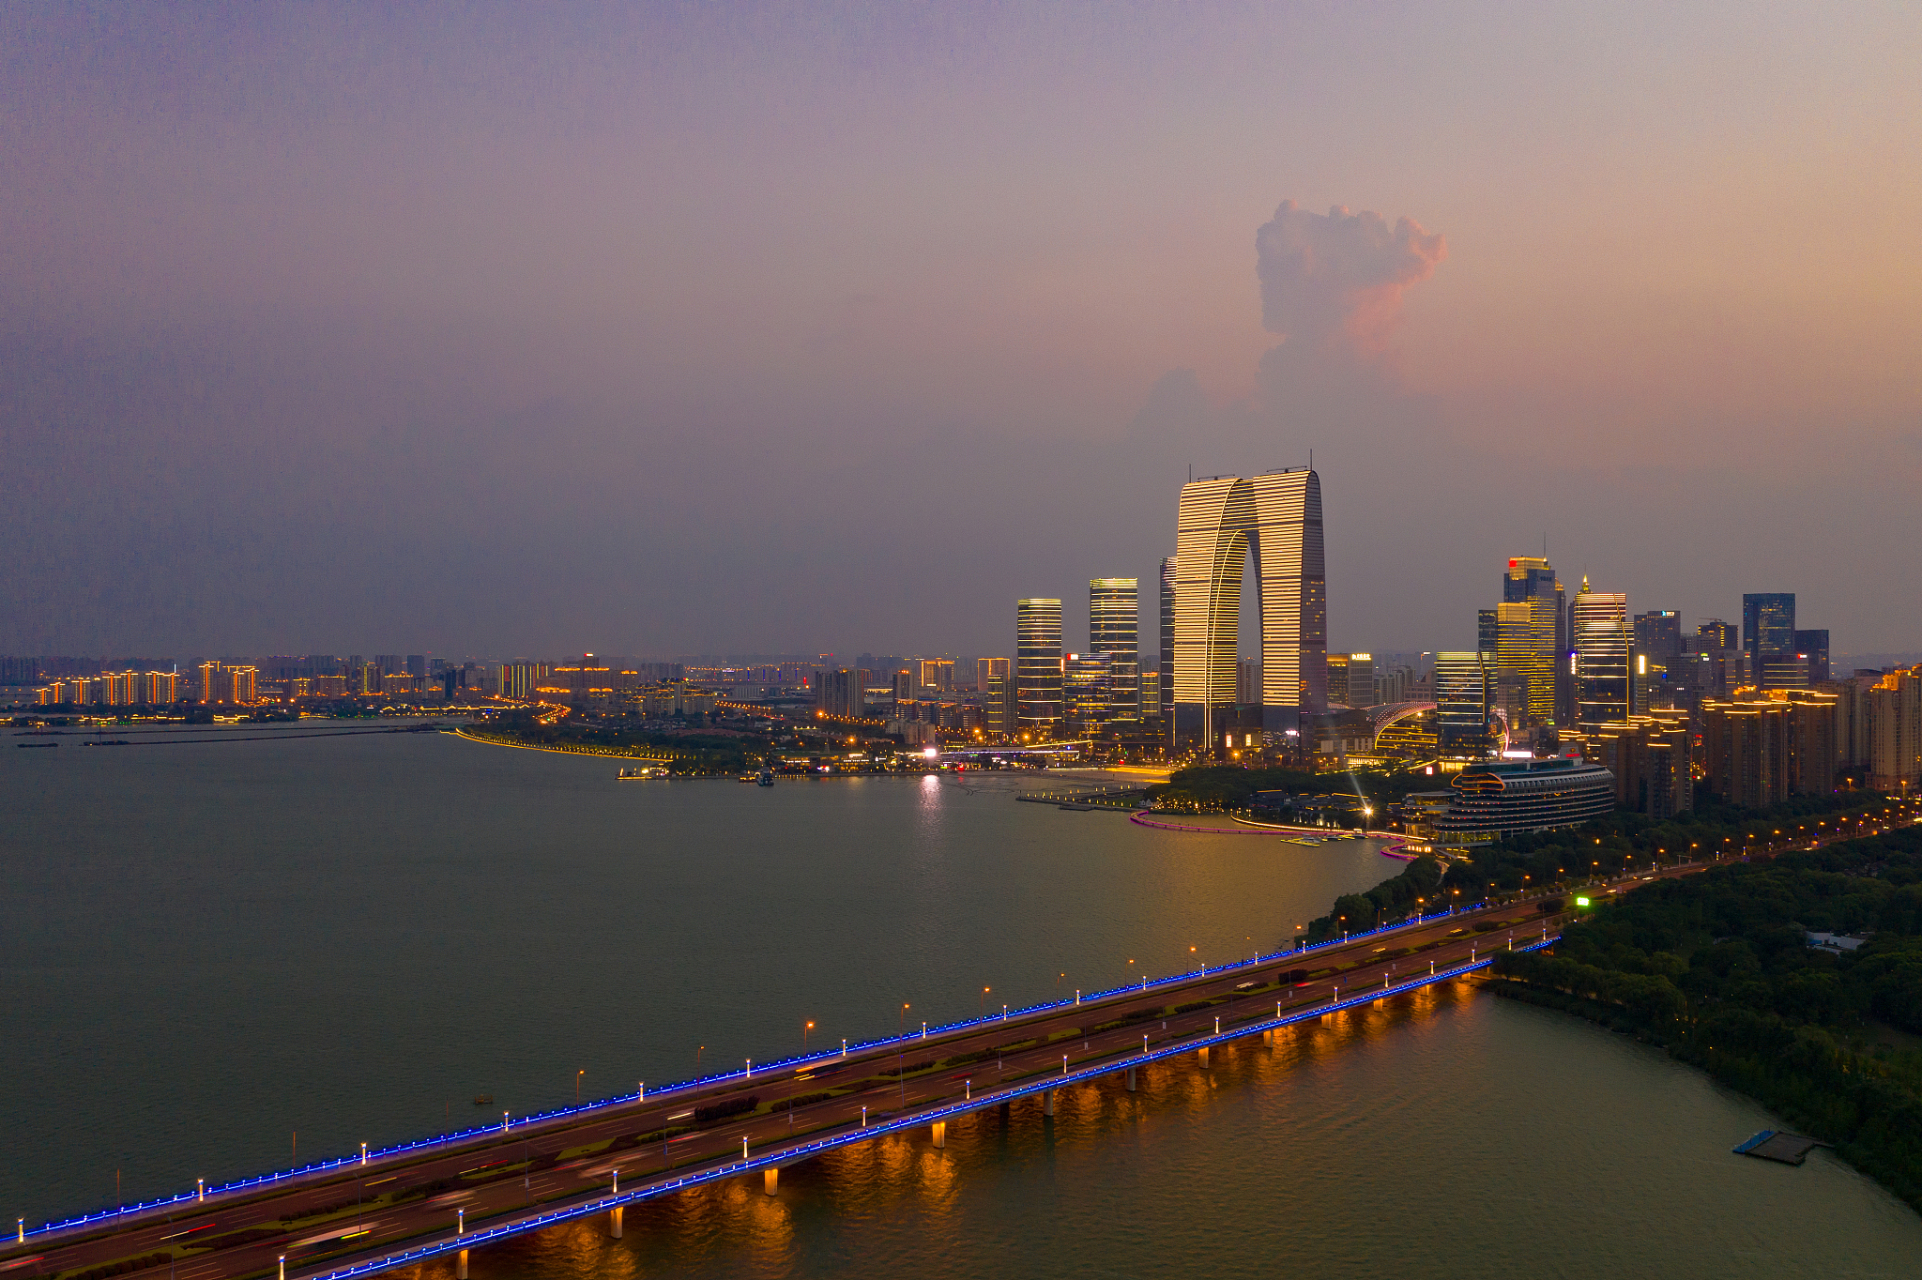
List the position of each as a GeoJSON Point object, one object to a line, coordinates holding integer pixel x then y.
{"type": "Point", "coordinates": [1504, 798]}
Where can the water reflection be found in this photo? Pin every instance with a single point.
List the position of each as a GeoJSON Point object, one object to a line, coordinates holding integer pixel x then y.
{"type": "Point", "coordinates": [1409, 1107]}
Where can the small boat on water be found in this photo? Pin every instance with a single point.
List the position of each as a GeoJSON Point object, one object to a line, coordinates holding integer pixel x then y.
{"type": "Point", "coordinates": [765, 778]}
{"type": "Point", "coordinates": [642, 772]}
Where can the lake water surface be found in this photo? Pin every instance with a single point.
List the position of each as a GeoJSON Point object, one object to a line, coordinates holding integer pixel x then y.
{"type": "Point", "coordinates": [205, 950]}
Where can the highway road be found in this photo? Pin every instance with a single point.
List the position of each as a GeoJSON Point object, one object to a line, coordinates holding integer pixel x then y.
{"type": "Point", "coordinates": [323, 1222]}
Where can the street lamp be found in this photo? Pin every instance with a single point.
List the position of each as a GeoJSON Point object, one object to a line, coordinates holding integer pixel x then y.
{"type": "Point", "coordinates": [804, 1036]}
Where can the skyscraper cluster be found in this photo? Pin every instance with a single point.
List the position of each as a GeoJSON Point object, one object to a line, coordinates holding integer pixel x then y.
{"type": "Point", "coordinates": [1097, 693]}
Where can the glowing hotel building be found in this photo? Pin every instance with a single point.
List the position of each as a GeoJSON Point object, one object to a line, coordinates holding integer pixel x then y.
{"type": "Point", "coordinates": [1277, 516]}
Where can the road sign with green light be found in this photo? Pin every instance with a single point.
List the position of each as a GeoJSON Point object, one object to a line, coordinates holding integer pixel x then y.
{"type": "Point", "coordinates": [1581, 902]}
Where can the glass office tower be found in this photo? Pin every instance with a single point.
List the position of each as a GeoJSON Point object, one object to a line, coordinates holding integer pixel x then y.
{"type": "Point", "coordinates": [1768, 625]}
{"type": "Point", "coordinates": [1114, 628]}
{"type": "Point", "coordinates": [1531, 637]}
{"type": "Point", "coordinates": [1599, 621]}
{"type": "Point", "coordinates": [1165, 688]}
{"type": "Point", "coordinates": [1464, 701]}
{"type": "Point", "coordinates": [1037, 673]}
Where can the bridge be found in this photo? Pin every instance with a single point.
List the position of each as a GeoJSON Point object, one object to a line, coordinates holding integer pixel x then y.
{"type": "Point", "coordinates": [375, 1210]}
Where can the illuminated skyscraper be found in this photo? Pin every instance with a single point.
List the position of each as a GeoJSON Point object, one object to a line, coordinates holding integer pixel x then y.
{"type": "Point", "coordinates": [1037, 668]}
{"type": "Point", "coordinates": [937, 673]}
{"type": "Point", "coordinates": [1086, 697]}
{"type": "Point", "coordinates": [1531, 637]}
{"type": "Point", "coordinates": [1277, 516]}
{"type": "Point", "coordinates": [1165, 687]}
{"type": "Point", "coordinates": [1351, 679]}
{"type": "Point", "coordinates": [1464, 700]}
{"type": "Point", "coordinates": [1601, 644]}
{"type": "Point", "coordinates": [1768, 625]}
{"type": "Point", "coordinates": [995, 681]}
{"type": "Point", "coordinates": [1114, 628]}
{"type": "Point", "coordinates": [1661, 677]}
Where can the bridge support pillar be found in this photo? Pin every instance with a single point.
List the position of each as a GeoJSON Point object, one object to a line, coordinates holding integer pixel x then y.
{"type": "Point", "coordinates": [1131, 1079]}
{"type": "Point", "coordinates": [460, 1265]}
{"type": "Point", "coordinates": [940, 1133]}
{"type": "Point", "coordinates": [614, 1222]}
{"type": "Point", "coordinates": [1203, 1051]}
{"type": "Point", "coordinates": [1268, 1036]}
{"type": "Point", "coordinates": [1047, 1102]}
{"type": "Point", "coordinates": [771, 1179]}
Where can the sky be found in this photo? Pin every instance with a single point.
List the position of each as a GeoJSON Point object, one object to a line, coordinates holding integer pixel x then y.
{"type": "Point", "coordinates": [827, 327]}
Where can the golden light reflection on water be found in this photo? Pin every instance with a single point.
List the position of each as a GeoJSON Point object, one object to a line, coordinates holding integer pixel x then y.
{"type": "Point", "coordinates": [1293, 1150]}
{"type": "Point", "coordinates": [735, 1228]}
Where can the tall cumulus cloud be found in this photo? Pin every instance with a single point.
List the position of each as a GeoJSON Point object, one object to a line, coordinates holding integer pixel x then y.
{"type": "Point", "coordinates": [1339, 278]}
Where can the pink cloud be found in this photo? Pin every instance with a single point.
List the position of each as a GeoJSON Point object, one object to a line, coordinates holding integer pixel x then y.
{"type": "Point", "coordinates": [1339, 277]}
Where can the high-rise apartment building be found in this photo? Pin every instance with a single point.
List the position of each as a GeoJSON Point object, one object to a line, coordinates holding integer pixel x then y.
{"type": "Point", "coordinates": [1276, 516]}
{"type": "Point", "coordinates": [840, 691]}
{"type": "Point", "coordinates": [1599, 621]}
{"type": "Point", "coordinates": [518, 679]}
{"type": "Point", "coordinates": [1114, 628]}
{"type": "Point", "coordinates": [1037, 666]}
{"type": "Point", "coordinates": [1649, 756]}
{"type": "Point", "coordinates": [1759, 752]}
{"type": "Point", "coordinates": [1531, 639]}
{"type": "Point", "coordinates": [937, 673]}
{"type": "Point", "coordinates": [1745, 751]}
{"type": "Point", "coordinates": [1894, 725]}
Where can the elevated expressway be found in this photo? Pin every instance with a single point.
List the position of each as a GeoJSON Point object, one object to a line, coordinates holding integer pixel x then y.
{"type": "Point", "coordinates": [379, 1210]}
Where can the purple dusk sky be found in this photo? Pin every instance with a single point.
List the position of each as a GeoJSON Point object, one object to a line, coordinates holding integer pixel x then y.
{"type": "Point", "coordinates": [657, 329]}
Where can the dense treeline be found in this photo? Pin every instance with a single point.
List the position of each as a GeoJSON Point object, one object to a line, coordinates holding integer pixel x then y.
{"type": "Point", "coordinates": [1227, 786]}
{"type": "Point", "coordinates": [1718, 968]}
{"type": "Point", "coordinates": [1550, 861]}
{"type": "Point", "coordinates": [1413, 891]}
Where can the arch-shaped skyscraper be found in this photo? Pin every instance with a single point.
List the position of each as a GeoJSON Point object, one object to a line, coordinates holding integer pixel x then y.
{"type": "Point", "coordinates": [1277, 516]}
